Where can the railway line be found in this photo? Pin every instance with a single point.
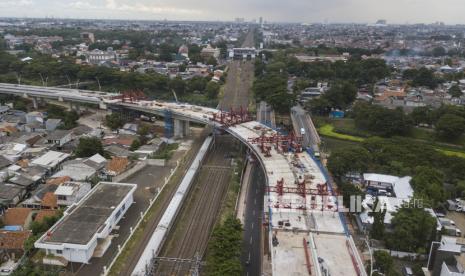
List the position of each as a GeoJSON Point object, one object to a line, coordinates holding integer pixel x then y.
{"type": "Point", "coordinates": [152, 223]}
{"type": "Point", "coordinates": [199, 214]}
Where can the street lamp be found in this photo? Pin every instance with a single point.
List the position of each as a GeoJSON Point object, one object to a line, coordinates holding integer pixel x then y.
{"type": "Point", "coordinates": [371, 256]}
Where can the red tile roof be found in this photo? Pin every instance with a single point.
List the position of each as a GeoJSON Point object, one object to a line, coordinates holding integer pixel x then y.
{"type": "Point", "coordinates": [45, 213]}
{"type": "Point", "coordinates": [16, 216]}
{"type": "Point", "coordinates": [49, 200]}
{"type": "Point", "coordinates": [13, 239]}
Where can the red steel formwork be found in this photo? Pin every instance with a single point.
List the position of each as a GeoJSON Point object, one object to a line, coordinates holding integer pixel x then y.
{"type": "Point", "coordinates": [321, 190]}
{"type": "Point", "coordinates": [131, 96]}
{"type": "Point", "coordinates": [282, 143]}
{"type": "Point", "coordinates": [231, 118]}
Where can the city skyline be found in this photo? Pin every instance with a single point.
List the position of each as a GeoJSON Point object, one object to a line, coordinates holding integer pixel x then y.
{"type": "Point", "coordinates": [332, 11]}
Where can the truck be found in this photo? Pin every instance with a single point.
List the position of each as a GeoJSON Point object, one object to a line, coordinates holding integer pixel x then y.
{"type": "Point", "coordinates": [452, 231]}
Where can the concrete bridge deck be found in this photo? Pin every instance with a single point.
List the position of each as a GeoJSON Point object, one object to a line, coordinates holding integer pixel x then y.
{"type": "Point", "coordinates": [286, 213]}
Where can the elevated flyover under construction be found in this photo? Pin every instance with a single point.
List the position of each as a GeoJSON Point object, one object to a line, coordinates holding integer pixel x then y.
{"type": "Point", "coordinates": [307, 234]}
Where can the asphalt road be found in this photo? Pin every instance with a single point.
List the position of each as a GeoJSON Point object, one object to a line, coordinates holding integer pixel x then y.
{"type": "Point", "coordinates": [252, 243]}
{"type": "Point", "coordinates": [300, 120]}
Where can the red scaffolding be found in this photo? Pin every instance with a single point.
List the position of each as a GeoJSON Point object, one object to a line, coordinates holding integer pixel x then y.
{"type": "Point", "coordinates": [130, 96]}
{"type": "Point", "coordinates": [282, 143]}
{"type": "Point", "coordinates": [233, 117]}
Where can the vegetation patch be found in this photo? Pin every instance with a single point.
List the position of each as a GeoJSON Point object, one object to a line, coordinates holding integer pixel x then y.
{"type": "Point", "coordinates": [328, 130]}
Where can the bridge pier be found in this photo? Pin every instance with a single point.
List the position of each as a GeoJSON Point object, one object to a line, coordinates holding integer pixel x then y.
{"type": "Point", "coordinates": [35, 102]}
{"type": "Point", "coordinates": [76, 107]}
{"type": "Point", "coordinates": [181, 128]}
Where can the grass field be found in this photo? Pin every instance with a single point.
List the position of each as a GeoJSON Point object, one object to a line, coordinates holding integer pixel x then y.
{"type": "Point", "coordinates": [328, 130]}
{"type": "Point", "coordinates": [449, 152]}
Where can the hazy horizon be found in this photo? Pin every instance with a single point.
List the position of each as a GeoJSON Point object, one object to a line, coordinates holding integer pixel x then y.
{"type": "Point", "coordinates": [292, 11]}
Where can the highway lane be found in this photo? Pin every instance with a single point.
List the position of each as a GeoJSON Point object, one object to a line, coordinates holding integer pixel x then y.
{"type": "Point", "coordinates": [252, 242]}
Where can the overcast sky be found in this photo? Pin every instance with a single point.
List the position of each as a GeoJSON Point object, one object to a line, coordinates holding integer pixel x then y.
{"type": "Point", "coordinates": [363, 11]}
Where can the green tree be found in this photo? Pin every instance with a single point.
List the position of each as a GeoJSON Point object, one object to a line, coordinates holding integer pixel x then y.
{"type": "Point", "coordinates": [114, 121]}
{"type": "Point", "coordinates": [211, 61]}
{"type": "Point", "coordinates": [348, 160]}
{"type": "Point", "coordinates": [384, 262]}
{"type": "Point", "coordinates": [135, 145]}
{"type": "Point", "coordinates": [378, 214]}
{"type": "Point", "coordinates": [422, 115]}
{"type": "Point", "coordinates": [455, 91]}
{"type": "Point", "coordinates": [412, 230]}
{"type": "Point", "coordinates": [89, 146]}
{"type": "Point", "coordinates": [178, 85]}
{"type": "Point", "coordinates": [341, 94]}
{"type": "Point", "coordinates": [428, 184]}
{"type": "Point", "coordinates": [380, 120]}
{"type": "Point", "coordinates": [450, 127]}
{"type": "Point", "coordinates": [224, 249]}
{"type": "Point", "coordinates": [212, 90]}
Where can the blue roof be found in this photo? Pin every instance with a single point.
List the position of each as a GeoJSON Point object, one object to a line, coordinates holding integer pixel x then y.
{"type": "Point", "coordinates": [13, 228]}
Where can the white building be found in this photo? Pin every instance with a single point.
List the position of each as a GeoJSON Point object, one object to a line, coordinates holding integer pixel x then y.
{"type": "Point", "coordinates": [50, 160]}
{"type": "Point", "coordinates": [399, 192]}
{"type": "Point", "coordinates": [84, 230]}
{"type": "Point", "coordinates": [69, 193]}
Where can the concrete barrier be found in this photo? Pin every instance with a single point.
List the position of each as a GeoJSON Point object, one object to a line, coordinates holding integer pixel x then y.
{"type": "Point", "coordinates": [156, 162]}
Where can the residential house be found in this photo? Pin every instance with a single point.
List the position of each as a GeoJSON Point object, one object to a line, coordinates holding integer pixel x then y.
{"type": "Point", "coordinates": [116, 165]}
{"type": "Point", "coordinates": [35, 116]}
{"type": "Point", "coordinates": [77, 170]}
{"type": "Point", "coordinates": [447, 257]}
{"type": "Point", "coordinates": [12, 243]}
{"type": "Point", "coordinates": [209, 51]}
{"type": "Point", "coordinates": [40, 198]}
{"type": "Point", "coordinates": [52, 124]}
{"type": "Point", "coordinates": [71, 192]}
{"type": "Point", "coordinates": [42, 214]}
{"type": "Point", "coordinates": [51, 160]}
{"type": "Point", "coordinates": [18, 216]}
{"type": "Point", "coordinates": [59, 137]}
{"type": "Point", "coordinates": [12, 151]}
{"type": "Point", "coordinates": [119, 151]}
{"type": "Point", "coordinates": [11, 195]}
{"type": "Point", "coordinates": [34, 127]}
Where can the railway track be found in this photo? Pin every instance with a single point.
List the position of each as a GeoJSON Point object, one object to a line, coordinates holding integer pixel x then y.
{"type": "Point", "coordinates": [153, 221]}
{"type": "Point", "coordinates": [198, 216]}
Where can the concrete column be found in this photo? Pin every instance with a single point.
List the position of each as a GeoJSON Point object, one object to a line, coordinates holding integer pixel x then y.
{"type": "Point", "coordinates": [35, 103]}
{"type": "Point", "coordinates": [181, 128]}
{"type": "Point", "coordinates": [187, 130]}
{"type": "Point", "coordinates": [178, 129]}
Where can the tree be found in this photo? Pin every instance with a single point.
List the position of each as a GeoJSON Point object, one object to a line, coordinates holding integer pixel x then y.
{"type": "Point", "coordinates": [422, 115]}
{"type": "Point", "coordinates": [341, 94]}
{"type": "Point", "coordinates": [380, 120]}
{"type": "Point", "coordinates": [178, 85]}
{"type": "Point", "coordinates": [89, 146]}
{"type": "Point", "coordinates": [412, 230]}
{"type": "Point", "coordinates": [212, 90]}
{"type": "Point", "coordinates": [450, 127]}
{"type": "Point", "coordinates": [211, 61]}
{"type": "Point", "coordinates": [135, 145]}
{"type": "Point", "coordinates": [378, 214]}
{"type": "Point", "coordinates": [455, 91]}
{"type": "Point", "coordinates": [224, 249]}
{"type": "Point", "coordinates": [438, 51]}
{"type": "Point", "coordinates": [348, 160]}
{"type": "Point", "coordinates": [428, 184]}
{"type": "Point", "coordinates": [383, 262]}
{"type": "Point", "coordinates": [114, 121]}
{"type": "Point", "coordinates": [425, 77]}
